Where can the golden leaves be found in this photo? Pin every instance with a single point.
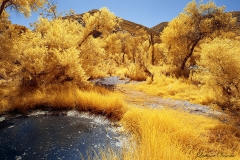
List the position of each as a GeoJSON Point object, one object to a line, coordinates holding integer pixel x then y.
{"type": "Point", "coordinates": [193, 26]}
{"type": "Point", "coordinates": [25, 6]}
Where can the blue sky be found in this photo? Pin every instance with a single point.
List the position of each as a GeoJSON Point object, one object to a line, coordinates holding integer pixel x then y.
{"type": "Point", "coordinates": [145, 12]}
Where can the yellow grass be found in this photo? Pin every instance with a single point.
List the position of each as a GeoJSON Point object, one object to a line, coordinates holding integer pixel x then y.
{"type": "Point", "coordinates": [135, 72]}
{"type": "Point", "coordinates": [110, 105]}
{"type": "Point", "coordinates": [174, 135]}
{"type": "Point", "coordinates": [97, 101]}
{"type": "Point", "coordinates": [181, 89]}
{"type": "Point", "coordinates": [156, 140]}
{"type": "Point", "coordinates": [122, 72]}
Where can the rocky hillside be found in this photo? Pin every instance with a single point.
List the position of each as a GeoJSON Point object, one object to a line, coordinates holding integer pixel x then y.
{"type": "Point", "coordinates": [134, 28]}
{"type": "Point", "coordinates": [155, 31]}
{"type": "Point", "coordinates": [159, 28]}
{"type": "Point", "coordinates": [125, 25]}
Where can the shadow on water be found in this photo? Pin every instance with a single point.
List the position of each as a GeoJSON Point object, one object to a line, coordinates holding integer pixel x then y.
{"type": "Point", "coordinates": [47, 136]}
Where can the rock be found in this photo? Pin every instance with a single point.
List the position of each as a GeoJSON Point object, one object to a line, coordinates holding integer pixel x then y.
{"type": "Point", "coordinates": [110, 82]}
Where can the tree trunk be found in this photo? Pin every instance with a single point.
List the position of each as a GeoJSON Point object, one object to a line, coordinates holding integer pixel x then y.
{"type": "Point", "coordinates": [189, 54]}
{"type": "Point", "coordinates": [151, 43]}
{"type": "Point", "coordinates": [153, 56]}
{"type": "Point", "coordinates": [123, 51]}
{"type": "Point", "coordinates": [123, 58]}
{"type": "Point", "coordinates": [89, 34]}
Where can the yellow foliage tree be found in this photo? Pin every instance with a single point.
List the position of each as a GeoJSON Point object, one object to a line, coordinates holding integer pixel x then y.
{"type": "Point", "coordinates": [55, 51]}
{"type": "Point", "coordinates": [123, 47]}
{"type": "Point", "coordinates": [96, 28]}
{"type": "Point", "coordinates": [22, 6]}
{"type": "Point", "coordinates": [185, 32]}
{"type": "Point", "coordinates": [49, 55]}
{"type": "Point", "coordinates": [115, 46]}
{"type": "Point", "coordinates": [220, 65]}
{"type": "Point", "coordinates": [133, 45]}
{"type": "Point", "coordinates": [56, 59]}
{"type": "Point", "coordinates": [9, 39]}
{"type": "Point", "coordinates": [11, 34]}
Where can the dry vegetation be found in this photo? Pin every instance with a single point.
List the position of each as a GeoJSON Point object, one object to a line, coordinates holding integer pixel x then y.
{"type": "Point", "coordinates": [197, 60]}
{"type": "Point", "coordinates": [94, 100]}
{"type": "Point", "coordinates": [169, 134]}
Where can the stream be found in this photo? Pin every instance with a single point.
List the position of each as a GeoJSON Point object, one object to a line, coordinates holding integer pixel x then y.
{"type": "Point", "coordinates": [44, 135]}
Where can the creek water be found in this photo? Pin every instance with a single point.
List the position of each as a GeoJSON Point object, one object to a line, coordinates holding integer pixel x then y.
{"type": "Point", "coordinates": [50, 136]}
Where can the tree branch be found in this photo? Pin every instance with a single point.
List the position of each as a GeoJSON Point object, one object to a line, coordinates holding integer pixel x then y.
{"type": "Point", "coordinates": [3, 6]}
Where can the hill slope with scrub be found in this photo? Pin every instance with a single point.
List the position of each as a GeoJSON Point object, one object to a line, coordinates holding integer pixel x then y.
{"type": "Point", "coordinates": [124, 25]}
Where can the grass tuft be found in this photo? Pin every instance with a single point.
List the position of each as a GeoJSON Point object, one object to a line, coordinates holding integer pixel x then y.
{"type": "Point", "coordinates": [170, 134]}
{"type": "Point", "coordinates": [97, 101]}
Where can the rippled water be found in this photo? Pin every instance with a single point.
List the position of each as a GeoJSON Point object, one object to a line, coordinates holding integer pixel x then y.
{"type": "Point", "coordinates": [47, 136]}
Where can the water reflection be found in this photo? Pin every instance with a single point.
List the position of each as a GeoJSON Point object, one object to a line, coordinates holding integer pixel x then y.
{"type": "Point", "coordinates": [53, 137]}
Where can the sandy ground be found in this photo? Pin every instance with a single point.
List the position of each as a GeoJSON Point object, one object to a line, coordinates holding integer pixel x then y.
{"type": "Point", "coordinates": [138, 98]}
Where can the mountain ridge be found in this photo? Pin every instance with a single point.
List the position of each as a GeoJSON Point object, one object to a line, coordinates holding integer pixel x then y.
{"type": "Point", "coordinates": [133, 27]}
{"type": "Point", "coordinates": [125, 25]}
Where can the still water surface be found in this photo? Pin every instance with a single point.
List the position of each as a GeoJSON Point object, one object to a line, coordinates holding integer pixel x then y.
{"type": "Point", "coordinates": [48, 136]}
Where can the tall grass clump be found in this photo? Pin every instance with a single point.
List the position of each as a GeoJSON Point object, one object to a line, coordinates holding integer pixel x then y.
{"type": "Point", "coordinates": [95, 100]}
{"type": "Point", "coordinates": [110, 105]}
{"type": "Point", "coordinates": [169, 134]}
{"type": "Point", "coordinates": [135, 72]}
